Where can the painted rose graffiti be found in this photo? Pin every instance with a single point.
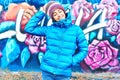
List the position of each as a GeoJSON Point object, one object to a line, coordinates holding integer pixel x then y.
{"type": "Point", "coordinates": [87, 9]}
{"type": "Point", "coordinates": [101, 55]}
{"type": "Point", "coordinates": [111, 6]}
{"type": "Point", "coordinates": [113, 27]}
{"type": "Point", "coordinates": [35, 43]}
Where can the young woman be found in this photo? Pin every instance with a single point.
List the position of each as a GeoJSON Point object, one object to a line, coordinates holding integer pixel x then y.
{"type": "Point", "coordinates": [62, 40]}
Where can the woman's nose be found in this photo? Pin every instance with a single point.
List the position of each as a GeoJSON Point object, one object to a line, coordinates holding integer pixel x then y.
{"type": "Point", "coordinates": [58, 15]}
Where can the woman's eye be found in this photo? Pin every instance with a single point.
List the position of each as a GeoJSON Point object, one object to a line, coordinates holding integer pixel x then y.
{"type": "Point", "coordinates": [54, 14]}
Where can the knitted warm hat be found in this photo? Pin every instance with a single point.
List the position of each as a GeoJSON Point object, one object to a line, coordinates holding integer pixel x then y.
{"type": "Point", "coordinates": [51, 6]}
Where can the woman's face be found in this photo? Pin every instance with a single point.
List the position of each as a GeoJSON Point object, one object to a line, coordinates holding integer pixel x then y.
{"type": "Point", "coordinates": [58, 14]}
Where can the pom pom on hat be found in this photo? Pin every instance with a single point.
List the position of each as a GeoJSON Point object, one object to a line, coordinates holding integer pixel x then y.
{"type": "Point", "coordinates": [51, 6]}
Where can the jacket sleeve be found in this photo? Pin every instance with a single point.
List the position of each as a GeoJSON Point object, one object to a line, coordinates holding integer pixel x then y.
{"type": "Point", "coordinates": [32, 26]}
{"type": "Point", "coordinates": [82, 47]}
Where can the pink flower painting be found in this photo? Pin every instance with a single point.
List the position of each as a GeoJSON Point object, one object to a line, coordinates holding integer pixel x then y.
{"type": "Point", "coordinates": [113, 27]}
{"type": "Point", "coordinates": [101, 55]}
{"type": "Point", "coordinates": [35, 43]}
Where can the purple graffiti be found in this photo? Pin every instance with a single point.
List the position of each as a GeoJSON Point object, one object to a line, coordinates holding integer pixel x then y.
{"type": "Point", "coordinates": [101, 55]}
{"type": "Point", "coordinates": [111, 6]}
{"type": "Point", "coordinates": [35, 43]}
{"type": "Point", "coordinates": [87, 9]}
{"type": "Point", "coordinates": [113, 27]}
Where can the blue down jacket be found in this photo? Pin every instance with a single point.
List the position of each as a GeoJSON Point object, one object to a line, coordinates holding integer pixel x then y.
{"type": "Point", "coordinates": [62, 39]}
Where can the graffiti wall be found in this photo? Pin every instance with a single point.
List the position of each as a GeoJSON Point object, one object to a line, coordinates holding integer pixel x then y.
{"type": "Point", "coordinates": [99, 20]}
